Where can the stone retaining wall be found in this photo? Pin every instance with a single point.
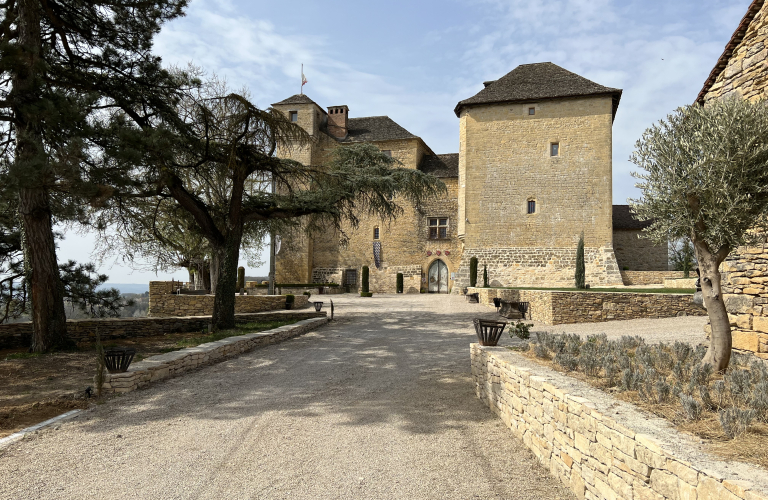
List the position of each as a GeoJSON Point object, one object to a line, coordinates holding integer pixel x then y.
{"type": "Point", "coordinates": [162, 302]}
{"type": "Point", "coordinates": [599, 447]}
{"type": "Point", "coordinates": [648, 277]}
{"type": "Point", "coordinates": [175, 363]}
{"type": "Point", "coordinates": [16, 335]}
{"type": "Point", "coordinates": [555, 308]}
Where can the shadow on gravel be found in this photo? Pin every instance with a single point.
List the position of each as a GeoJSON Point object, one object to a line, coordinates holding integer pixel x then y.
{"type": "Point", "coordinates": [367, 367]}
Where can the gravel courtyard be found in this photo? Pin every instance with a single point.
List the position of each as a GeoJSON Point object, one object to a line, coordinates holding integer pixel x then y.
{"type": "Point", "coordinates": [378, 404]}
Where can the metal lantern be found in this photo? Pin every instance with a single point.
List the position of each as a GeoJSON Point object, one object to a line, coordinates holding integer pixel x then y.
{"type": "Point", "coordinates": [118, 359]}
{"type": "Point", "coordinates": [318, 306]}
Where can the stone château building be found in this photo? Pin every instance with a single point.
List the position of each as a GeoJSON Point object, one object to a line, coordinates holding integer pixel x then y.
{"type": "Point", "coordinates": [533, 172]}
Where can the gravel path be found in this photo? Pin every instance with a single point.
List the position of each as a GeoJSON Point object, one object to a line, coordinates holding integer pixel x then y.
{"type": "Point", "coordinates": [378, 404]}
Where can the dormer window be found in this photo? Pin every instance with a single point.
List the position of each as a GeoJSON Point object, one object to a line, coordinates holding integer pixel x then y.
{"type": "Point", "coordinates": [294, 116]}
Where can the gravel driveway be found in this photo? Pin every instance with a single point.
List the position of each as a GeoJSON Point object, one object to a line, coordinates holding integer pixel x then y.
{"type": "Point", "coordinates": [378, 404]}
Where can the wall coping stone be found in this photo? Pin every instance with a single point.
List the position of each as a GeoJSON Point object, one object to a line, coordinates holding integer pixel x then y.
{"type": "Point", "coordinates": [622, 424]}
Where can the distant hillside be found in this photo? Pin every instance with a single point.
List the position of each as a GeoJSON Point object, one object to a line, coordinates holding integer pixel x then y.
{"type": "Point", "coordinates": [128, 287]}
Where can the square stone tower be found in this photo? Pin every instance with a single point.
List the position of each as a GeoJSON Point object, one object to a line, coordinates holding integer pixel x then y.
{"type": "Point", "coordinates": [535, 167]}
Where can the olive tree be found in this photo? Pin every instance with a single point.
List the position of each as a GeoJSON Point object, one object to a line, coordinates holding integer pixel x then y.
{"type": "Point", "coordinates": [705, 177]}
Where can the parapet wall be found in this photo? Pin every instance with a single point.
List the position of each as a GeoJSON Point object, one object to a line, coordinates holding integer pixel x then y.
{"type": "Point", "coordinates": [599, 447]}
{"type": "Point", "coordinates": [649, 277]}
{"type": "Point", "coordinates": [555, 308]}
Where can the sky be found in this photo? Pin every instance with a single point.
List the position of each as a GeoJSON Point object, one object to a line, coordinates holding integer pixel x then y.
{"type": "Point", "coordinates": [414, 60]}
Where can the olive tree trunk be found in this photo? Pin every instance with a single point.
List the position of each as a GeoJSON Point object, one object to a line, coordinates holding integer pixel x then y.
{"type": "Point", "coordinates": [31, 169]}
{"type": "Point", "coordinates": [719, 353]}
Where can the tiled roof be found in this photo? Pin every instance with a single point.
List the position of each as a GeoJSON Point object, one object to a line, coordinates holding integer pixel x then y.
{"type": "Point", "coordinates": [624, 219]}
{"type": "Point", "coordinates": [375, 128]}
{"type": "Point", "coordinates": [440, 165]}
{"type": "Point", "coordinates": [734, 42]}
{"type": "Point", "coordinates": [296, 99]}
{"type": "Point", "coordinates": [531, 82]}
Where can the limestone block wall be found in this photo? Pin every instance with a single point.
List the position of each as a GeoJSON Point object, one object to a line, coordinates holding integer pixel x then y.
{"type": "Point", "coordinates": [555, 308]}
{"type": "Point", "coordinates": [635, 253]}
{"type": "Point", "coordinates": [546, 267]}
{"type": "Point", "coordinates": [649, 277]}
{"type": "Point", "coordinates": [599, 447]}
{"type": "Point", "coordinates": [196, 305]}
{"type": "Point", "coordinates": [15, 335]}
{"type": "Point", "coordinates": [175, 363]}
{"type": "Point", "coordinates": [747, 70]}
{"type": "Point", "coordinates": [745, 291]}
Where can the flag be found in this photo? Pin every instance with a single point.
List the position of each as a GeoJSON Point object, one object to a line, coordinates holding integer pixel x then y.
{"type": "Point", "coordinates": [303, 79]}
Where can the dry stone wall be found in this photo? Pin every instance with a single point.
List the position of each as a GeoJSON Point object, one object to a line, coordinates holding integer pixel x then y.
{"type": "Point", "coordinates": [635, 253]}
{"type": "Point", "coordinates": [599, 447]}
{"type": "Point", "coordinates": [15, 335]}
{"type": "Point", "coordinates": [546, 267]}
{"type": "Point", "coordinates": [175, 363]}
{"type": "Point", "coordinates": [649, 277]}
{"type": "Point", "coordinates": [556, 308]}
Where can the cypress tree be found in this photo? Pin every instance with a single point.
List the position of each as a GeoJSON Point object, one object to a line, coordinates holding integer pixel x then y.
{"type": "Point", "coordinates": [473, 271]}
{"type": "Point", "coordinates": [240, 278]}
{"type": "Point", "coordinates": [365, 279]}
{"type": "Point", "coordinates": [399, 282]}
{"type": "Point", "coordinates": [580, 267]}
{"type": "Point", "coordinates": [485, 276]}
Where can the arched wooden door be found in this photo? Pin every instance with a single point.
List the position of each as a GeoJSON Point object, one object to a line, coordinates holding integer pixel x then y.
{"type": "Point", "coordinates": [438, 277]}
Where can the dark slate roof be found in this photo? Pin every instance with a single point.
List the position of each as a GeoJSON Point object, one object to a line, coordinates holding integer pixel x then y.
{"type": "Point", "coordinates": [531, 82]}
{"type": "Point", "coordinates": [375, 128]}
{"type": "Point", "coordinates": [624, 219]}
{"type": "Point", "coordinates": [730, 47]}
{"type": "Point", "coordinates": [296, 99]}
{"type": "Point", "coordinates": [440, 165]}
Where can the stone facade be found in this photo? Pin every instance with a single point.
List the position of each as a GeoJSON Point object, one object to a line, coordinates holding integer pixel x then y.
{"type": "Point", "coordinates": [163, 303]}
{"type": "Point", "coordinates": [16, 335]}
{"type": "Point", "coordinates": [557, 308]}
{"type": "Point", "coordinates": [175, 363]}
{"type": "Point", "coordinates": [649, 277]}
{"type": "Point", "coordinates": [635, 253]}
{"type": "Point", "coordinates": [599, 447]}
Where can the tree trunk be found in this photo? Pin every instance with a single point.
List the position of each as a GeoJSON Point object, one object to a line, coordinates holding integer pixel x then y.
{"type": "Point", "coordinates": [719, 353]}
{"type": "Point", "coordinates": [206, 270]}
{"type": "Point", "coordinates": [224, 301]}
{"type": "Point", "coordinates": [32, 171]}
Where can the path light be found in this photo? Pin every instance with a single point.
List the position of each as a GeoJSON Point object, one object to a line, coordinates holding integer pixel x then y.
{"type": "Point", "coordinates": [318, 306]}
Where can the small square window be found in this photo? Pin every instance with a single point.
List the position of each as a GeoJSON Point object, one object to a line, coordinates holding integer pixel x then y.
{"type": "Point", "coordinates": [531, 206]}
{"type": "Point", "coordinates": [375, 233]}
{"type": "Point", "coordinates": [531, 111]}
{"type": "Point", "coordinates": [554, 149]}
{"type": "Point", "coordinates": [294, 116]}
{"type": "Point", "coordinates": [438, 229]}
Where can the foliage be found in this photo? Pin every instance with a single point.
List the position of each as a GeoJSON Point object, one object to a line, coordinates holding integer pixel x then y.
{"type": "Point", "coordinates": [399, 283]}
{"type": "Point", "coordinates": [580, 276]}
{"type": "Point", "coordinates": [290, 298]}
{"type": "Point", "coordinates": [485, 276]}
{"type": "Point", "coordinates": [682, 256]}
{"type": "Point", "coordinates": [81, 283]}
{"type": "Point", "coordinates": [365, 279]}
{"type": "Point", "coordinates": [521, 330]}
{"type": "Point", "coordinates": [473, 271]}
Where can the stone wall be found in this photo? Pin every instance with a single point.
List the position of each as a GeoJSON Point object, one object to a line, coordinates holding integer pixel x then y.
{"type": "Point", "coordinates": [175, 363]}
{"type": "Point", "coordinates": [546, 267]}
{"type": "Point", "coordinates": [599, 447]}
{"type": "Point", "coordinates": [747, 69]}
{"type": "Point", "coordinates": [17, 335]}
{"type": "Point", "coordinates": [164, 303]}
{"type": "Point", "coordinates": [745, 292]}
{"type": "Point", "coordinates": [635, 253]}
{"type": "Point", "coordinates": [649, 277]}
{"type": "Point", "coordinates": [555, 308]}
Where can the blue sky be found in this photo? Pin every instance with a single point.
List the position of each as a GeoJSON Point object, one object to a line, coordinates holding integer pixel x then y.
{"type": "Point", "coordinates": [414, 60]}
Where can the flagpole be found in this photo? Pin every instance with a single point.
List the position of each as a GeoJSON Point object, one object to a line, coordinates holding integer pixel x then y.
{"type": "Point", "coordinates": [302, 79]}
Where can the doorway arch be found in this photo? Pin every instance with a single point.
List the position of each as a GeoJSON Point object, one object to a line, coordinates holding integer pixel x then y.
{"type": "Point", "coordinates": [437, 277]}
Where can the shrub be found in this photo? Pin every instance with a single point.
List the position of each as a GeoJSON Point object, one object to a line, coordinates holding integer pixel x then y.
{"type": "Point", "coordinates": [399, 286]}
{"type": "Point", "coordinates": [485, 276]}
{"type": "Point", "coordinates": [366, 294]}
{"type": "Point", "coordinates": [739, 383]}
{"type": "Point", "coordinates": [580, 276]}
{"type": "Point", "coordinates": [290, 298]}
{"type": "Point", "coordinates": [735, 421]}
{"type": "Point", "coordinates": [365, 280]}
{"type": "Point", "coordinates": [308, 293]}
{"type": "Point", "coordinates": [473, 271]}
{"type": "Point", "coordinates": [692, 409]}
{"type": "Point", "coordinates": [567, 361]}
{"type": "Point", "coordinates": [521, 330]}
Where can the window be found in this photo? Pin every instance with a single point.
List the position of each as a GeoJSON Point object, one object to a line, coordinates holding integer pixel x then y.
{"type": "Point", "coordinates": [554, 149]}
{"type": "Point", "coordinates": [375, 233]}
{"type": "Point", "coordinates": [294, 115]}
{"type": "Point", "coordinates": [350, 277]}
{"type": "Point", "coordinates": [387, 152]}
{"type": "Point", "coordinates": [438, 228]}
{"type": "Point", "coordinates": [531, 111]}
{"type": "Point", "coordinates": [531, 206]}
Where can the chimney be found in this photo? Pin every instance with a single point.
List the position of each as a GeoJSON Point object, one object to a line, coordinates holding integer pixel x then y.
{"type": "Point", "coordinates": [337, 121]}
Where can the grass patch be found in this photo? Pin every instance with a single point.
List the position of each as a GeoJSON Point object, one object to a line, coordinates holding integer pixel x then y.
{"type": "Point", "coordinates": [241, 329]}
{"type": "Point", "coordinates": [613, 290]}
{"type": "Point", "coordinates": [23, 355]}
{"type": "Point", "coordinates": [729, 411]}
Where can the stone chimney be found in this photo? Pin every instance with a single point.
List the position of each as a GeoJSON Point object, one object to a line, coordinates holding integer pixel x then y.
{"type": "Point", "coordinates": [337, 121]}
